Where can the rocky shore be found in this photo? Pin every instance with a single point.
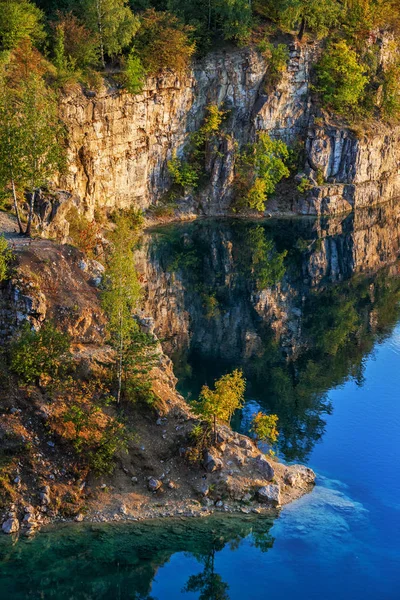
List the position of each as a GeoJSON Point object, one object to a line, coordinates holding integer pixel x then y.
{"type": "Point", "coordinates": [155, 478]}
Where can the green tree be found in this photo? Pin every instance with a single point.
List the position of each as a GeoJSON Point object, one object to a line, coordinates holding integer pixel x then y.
{"type": "Point", "coordinates": [341, 79]}
{"type": "Point", "coordinates": [120, 299]}
{"type": "Point", "coordinates": [81, 45]}
{"type": "Point", "coordinates": [19, 19]}
{"type": "Point", "coordinates": [317, 16]}
{"type": "Point", "coordinates": [113, 21]}
{"type": "Point", "coordinates": [31, 133]}
{"type": "Point", "coordinates": [42, 353]}
{"type": "Point", "coordinates": [260, 167]}
{"type": "Point", "coordinates": [220, 403]}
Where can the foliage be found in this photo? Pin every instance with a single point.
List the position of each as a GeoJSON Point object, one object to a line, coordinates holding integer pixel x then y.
{"type": "Point", "coordinates": [113, 22]}
{"type": "Point", "coordinates": [186, 172]}
{"type": "Point", "coordinates": [120, 299]}
{"type": "Point", "coordinates": [341, 79]}
{"type": "Point", "coordinates": [79, 416]}
{"type": "Point", "coordinates": [80, 46]}
{"type": "Point", "coordinates": [317, 16]}
{"type": "Point", "coordinates": [31, 148]}
{"type": "Point", "coordinates": [390, 104]}
{"type": "Point", "coordinates": [39, 354]}
{"type": "Point", "coordinates": [19, 20]}
{"type": "Point", "coordinates": [304, 185]}
{"type": "Point", "coordinates": [83, 233]}
{"type": "Point", "coordinates": [264, 428]}
{"type": "Point", "coordinates": [220, 403]}
{"type": "Point", "coordinates": [277, 57]}
{"type": "Point", "coordinates": [182, 173]}
{"type": "Point", "coordinates": [134, 73]}
{"type": "Point", "coordinates": [5, 258]}
{"type": "Point", "coordinates": [163, 42]}
{"type": "Point", "coordinates": [260, 167]}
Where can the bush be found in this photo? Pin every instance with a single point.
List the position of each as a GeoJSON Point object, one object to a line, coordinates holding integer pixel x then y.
{"type": "Point", "coordinates": [260, 167]}
{"type": "Point", "coordinates": [5, 258]}
{"type": "Point", "coordinates": [341, 79]}
{"type": "Point", "coordinates": [390, 106]}
{"type": "Point", "coordinates": [37, 354]}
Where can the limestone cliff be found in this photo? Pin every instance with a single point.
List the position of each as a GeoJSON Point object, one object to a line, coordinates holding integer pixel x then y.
{"type": "Point", "coordinates": [119, 144]}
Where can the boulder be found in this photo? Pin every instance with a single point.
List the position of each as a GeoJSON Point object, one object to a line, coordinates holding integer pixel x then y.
{"type": "Point", "coordinates": [264, 467]}
{"type": "Point", "coordinates": [11, 525]}
{"type": "Point", "coordinates": [299, 475]}
{"type": "Point", "coordinates": [270, 494]}
{"type": "Point", "coordinates": [154, 484]}
{"type": "Point", "coordinates": [246, 443]}
{"type": "Point", "coordinates": [212, 462]}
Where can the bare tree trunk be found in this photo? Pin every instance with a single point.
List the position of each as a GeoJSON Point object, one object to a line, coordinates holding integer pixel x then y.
{"type": "Point", "coordinates": [16, 207]}
{"type": "Point", "coordinates": [30, 217]}
{"type": "Point", "coordinates": [100, 27]}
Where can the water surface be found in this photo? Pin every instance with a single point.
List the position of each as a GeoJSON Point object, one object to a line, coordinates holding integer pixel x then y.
{"type": "Point", "coordinates": [310, 311]}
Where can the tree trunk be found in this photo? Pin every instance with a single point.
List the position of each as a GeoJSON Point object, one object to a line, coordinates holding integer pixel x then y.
{"type": "Point", "coordinates": [30, 217]}
{"type": "Point", "coordinates": [302, 28]}
{"type": "Point", "coordinates": [16, 207]}
{"type": "Point", "coordinates": [100, 27]}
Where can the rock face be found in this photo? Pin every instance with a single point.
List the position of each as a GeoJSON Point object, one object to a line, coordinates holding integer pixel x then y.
{"type": "Point", "coordinates": [119, 144]}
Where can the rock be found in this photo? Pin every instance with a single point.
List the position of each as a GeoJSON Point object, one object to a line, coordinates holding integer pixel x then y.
{"type": "Point", "coordinates": [211, 462]}
{"type": "Point", "coordinates": [270, 494]}
{"type": "Point", "coordinates": [79, 518]}
{"type": "Point", "coordinates": [51, 444]}
{"type": "Point", "coordinates": [154, 484]}
{"type": "Point", "coordinates": [123, 509]}
{"type": "Point", "coordinates": [263, 467]}
{"type": "Point", "coordinates": [246, 443]}
{"type": "Point", "coordinates": [10, 526]}
{"type": "Point", "coordinates": [171, 485]}
{"type": "Point", "coordinates": [134, 479]}
{"type": "Point", "coordinates": [17, 480]}
{"type": "Point", "coordinates": [219, 504]}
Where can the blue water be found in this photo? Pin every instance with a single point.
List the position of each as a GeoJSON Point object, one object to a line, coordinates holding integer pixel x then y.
{"type": "Point", "coordinates": [333, 378]}
{"type": "Point", "coordinates": [342, 540]}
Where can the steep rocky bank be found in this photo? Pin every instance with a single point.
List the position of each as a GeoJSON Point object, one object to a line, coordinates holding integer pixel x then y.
{"type": "Point", "coordinates": [119, 144]}
{"type": "Point", "coordinates": [42, 478]}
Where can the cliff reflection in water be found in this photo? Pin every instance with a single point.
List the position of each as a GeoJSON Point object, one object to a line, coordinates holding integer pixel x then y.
{"type": "Point", "coordinates": [298, 304]}
{"type": "Point", "coordinates": [121, 561]}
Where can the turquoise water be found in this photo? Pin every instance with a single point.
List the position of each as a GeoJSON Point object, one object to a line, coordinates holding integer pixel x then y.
{"type": "Point", "coordinates": [317, 331]}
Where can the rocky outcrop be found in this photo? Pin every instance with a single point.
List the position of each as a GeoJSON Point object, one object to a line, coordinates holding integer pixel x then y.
{"type": "Point", "coordinates": [119, 144]}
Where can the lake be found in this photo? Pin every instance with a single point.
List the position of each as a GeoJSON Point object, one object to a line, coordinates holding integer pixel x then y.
{"type": "Point", "coordinates": [310, 310]}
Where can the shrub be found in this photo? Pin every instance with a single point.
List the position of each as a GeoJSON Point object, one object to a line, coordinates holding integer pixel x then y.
{"type": "Point", "coordinates": [341, 79]}
{"type": "Point", "coordinates": [391, 93]}
{"type": "Point", "coordinates": [37, 354]}
{"type": "Point", "coordinates": [304, 185]}
{"type": "Point", "coordinates": [260, 167]}
{"type": "Point", "coordinates": [83, 233]}
{"type": "Point", "coordinates": [5, 258]}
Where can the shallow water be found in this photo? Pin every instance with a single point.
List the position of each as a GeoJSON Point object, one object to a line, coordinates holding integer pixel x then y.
{"type": "Point", "coordinates": [310, 311]}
